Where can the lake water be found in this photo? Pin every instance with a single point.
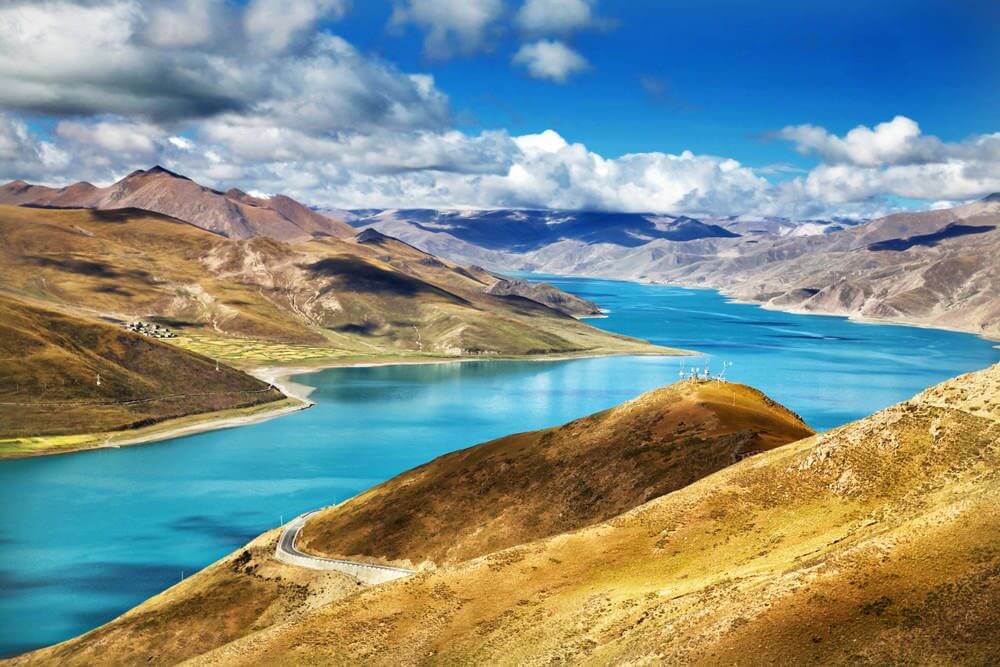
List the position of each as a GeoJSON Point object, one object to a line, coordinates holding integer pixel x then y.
{"type": "Point", "coordinates": [83, 537]}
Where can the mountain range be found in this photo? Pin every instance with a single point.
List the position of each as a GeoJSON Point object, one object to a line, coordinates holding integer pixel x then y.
{"type": "Point", "coordinates": [233, 214]}
{"type": "Point", "coordinates": [514, 230]}
{"type": "Point", "coordinates": [245, 281]}
{"type": "Point", "coordinates": [930, 268]}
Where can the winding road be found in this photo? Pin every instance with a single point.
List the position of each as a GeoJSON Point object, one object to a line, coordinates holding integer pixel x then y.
{"type": "Point", "coordinates": [367, 573]}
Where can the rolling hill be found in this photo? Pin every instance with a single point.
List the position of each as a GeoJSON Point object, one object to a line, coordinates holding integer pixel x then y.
{"type": "Point", "coordinates": [318, 299]}
{"type": "Point", "coordinates": [531, 485]}
{"type": "Point", "coordinates": [262, 301]}
{"type": "Point", "coordinates": [64, 375]}
{"type": "Point", "coordinates": [457, 507]}
{"type": "Point", "coordinates": [873, 543]}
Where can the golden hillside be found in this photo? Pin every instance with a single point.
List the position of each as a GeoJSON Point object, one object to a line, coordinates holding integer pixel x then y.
{"type": "Point", "coordinates": [873, 543]}
{"type": "Point", "coordinates": [570, 476]}
{"type": "Point", "coordinates": [530, 485]}
{"type": "Point", "coordinates": [50, 362]}
{"type": "Point", "coordinates": [267, 301]}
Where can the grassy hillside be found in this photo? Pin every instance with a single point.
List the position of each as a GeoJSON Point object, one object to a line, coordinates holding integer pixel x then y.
{"type": "Point", "coordinates": [874, 543]}
{"type": "Point", "coordinates": [309, 302]}
{"type": "Point", "coordinates": [50, 361]}
{"type": "Point", "coordinates": [531, 485]}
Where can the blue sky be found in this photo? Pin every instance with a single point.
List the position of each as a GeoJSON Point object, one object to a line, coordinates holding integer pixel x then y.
{"type": "Point", "coordinates": [732, 71]}
{"type": "Point", "coordinates": [712, 108]}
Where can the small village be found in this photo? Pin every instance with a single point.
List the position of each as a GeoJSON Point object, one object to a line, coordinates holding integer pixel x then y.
{"type": "Point", "coordinates": [150, 329]}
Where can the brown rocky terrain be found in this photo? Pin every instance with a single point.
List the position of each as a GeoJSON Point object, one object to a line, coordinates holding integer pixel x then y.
{"type": "Point", "coordinates": [547, 294]}
{"type": "Point", "coordinates": [341, 295]}
{"type": "Point", "coordinates": [262, 301]}
{"type": "Point", "coordinates": [874, 543]}
{"type": "Point", "coordinates": [933, 268]}
{"type": "Point", "coordinates": [233, 214]}
{"type": "Point", "coordinates": [530, 485]}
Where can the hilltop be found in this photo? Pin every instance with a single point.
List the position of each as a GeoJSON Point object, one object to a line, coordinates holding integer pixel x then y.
{"type": "Point", "coordinates": [531, 485]}
{"type": "Point", "coordinates": [875, 542]}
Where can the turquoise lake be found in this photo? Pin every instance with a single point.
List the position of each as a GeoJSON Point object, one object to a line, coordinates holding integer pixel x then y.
{"type": "Point", "coordinates": [83, 537]}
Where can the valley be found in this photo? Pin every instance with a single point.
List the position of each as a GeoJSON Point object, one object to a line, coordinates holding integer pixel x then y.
{"type": "Point", "coordinates": [251, 298]}
{"type": "Point", "coordinates": [135, 520]}
{"type": "Point", "coordinates": [499, 332]}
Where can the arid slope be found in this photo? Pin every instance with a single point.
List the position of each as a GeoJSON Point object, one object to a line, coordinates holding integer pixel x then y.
{"type": "Point", "coordinates": [51, 361]}
{"type": "Point", "coordinates": [874, 543]}
{"type": "Point", "coordinates": [531, 485]}
{"type": "Point", "coordinates": [932, 268]}
{"type": "Point", "coordinates": [318, 299]}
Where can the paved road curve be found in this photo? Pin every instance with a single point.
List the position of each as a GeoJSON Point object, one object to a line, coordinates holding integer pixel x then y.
{"type": "Point", "coordinates": [367, 573]}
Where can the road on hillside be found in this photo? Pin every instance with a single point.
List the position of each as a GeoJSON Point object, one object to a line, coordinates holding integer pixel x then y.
{"type": "Point", "coordinates": [288, 553]}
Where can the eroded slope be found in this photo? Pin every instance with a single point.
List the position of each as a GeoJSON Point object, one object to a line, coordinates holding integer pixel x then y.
{"type": "Point", "coordinates": [304, 301]}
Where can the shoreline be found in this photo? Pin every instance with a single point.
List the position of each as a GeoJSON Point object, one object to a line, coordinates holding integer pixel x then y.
{"type": "Point", "coordinates": [281, 376]}
{"type": "Point", "coordinates": [859, 319]}
{"type": "Point", "coordinates": [167, 429]}
{"type": "Point", "coordinates": [296, 399]}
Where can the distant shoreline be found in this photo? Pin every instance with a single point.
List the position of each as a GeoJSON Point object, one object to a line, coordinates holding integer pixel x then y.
{"type": "Point", "coordinates": [763, 305]}
{"type": "Point", "coordinates": [296, 399]}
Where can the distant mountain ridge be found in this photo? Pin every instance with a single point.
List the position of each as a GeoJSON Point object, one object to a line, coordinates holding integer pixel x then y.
{"type": "Point", "coordinates": [523, 230]}
{"type": "Point", "coordinates": [233, 214]}
{"type": "Point", "coordinates": [942, 272]}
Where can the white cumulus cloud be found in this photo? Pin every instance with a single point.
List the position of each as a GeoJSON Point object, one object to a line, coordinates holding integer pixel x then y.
{"type": "Point", "coordinates": [550, 59]}
{"type": "Point", "coordinates": [896, 158]}
{"type": "Point", "coordinates": [132, 138]}
{"type": "Point", "coordinates": [452, 26]}
{"type": "Point", "coordinates": [275, 23]}
{"type": "Point", "coordinates": [556, 16]}
{"type": "Point", "coordinates": [122, 84]}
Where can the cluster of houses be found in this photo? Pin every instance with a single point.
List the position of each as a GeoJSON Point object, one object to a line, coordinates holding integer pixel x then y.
{"type": "Point", "coordinates": [150, 329]}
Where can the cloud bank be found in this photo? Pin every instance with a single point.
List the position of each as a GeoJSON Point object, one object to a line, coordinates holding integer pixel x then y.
{"type": "Point", "coordinates": [302, 111]}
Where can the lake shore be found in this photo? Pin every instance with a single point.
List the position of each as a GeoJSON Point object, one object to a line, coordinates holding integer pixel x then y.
{"type": "Point", "coordinates": [794, 310]}
{"type": "Point", "coordinates": [280, 376]}
{"type": "Point", "coordinates": [296, 399]}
